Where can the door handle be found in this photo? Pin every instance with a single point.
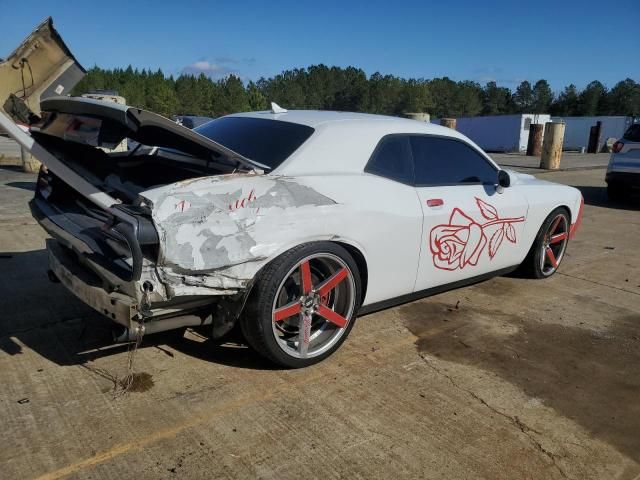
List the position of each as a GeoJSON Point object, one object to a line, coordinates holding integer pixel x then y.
{"type": "Point", "coordinates": [435, 202]}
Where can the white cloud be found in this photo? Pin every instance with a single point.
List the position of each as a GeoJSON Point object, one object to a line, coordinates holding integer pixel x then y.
{"type": "Point", "coordinates": [210, 69]}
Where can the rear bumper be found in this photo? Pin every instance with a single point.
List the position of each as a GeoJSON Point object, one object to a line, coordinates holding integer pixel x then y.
{"type": "Point", "coordinates": [626, 179]}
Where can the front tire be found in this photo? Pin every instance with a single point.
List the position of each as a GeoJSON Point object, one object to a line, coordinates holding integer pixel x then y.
{"type": "Point", "coordinates": [304, 305]}
{"type": "Point", "coordinates": [549, 247]}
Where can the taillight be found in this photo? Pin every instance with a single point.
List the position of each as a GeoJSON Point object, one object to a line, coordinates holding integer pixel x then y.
{"type": "Point", "coordinates": [617, 147]}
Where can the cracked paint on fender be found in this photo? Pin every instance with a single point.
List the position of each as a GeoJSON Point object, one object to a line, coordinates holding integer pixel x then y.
{"type": "Point", "coordinates": [210, 245]}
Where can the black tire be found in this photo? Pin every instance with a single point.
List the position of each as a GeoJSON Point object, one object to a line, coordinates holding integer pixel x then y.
{"type": "Point", "coordinates": [532, 266]}
{"type": "Point", "coordinates": [615, 192]}
{"type": "Point", "coordinates": [257, 319]}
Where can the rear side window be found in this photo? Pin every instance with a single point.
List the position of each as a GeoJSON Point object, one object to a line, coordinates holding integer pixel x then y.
{"type": "Point", "coordinates": [633, 133]}
{"type": "Point", "coordinates": [392, 159]}
{"type": "Point", "coordinates": [445, 161]}
{"type": "Point", "coordinates": [269, 142]}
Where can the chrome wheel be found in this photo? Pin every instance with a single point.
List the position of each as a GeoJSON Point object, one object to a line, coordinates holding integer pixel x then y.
{"type": "Point", "coordinates": [554, 244]}
{"type": "Point", "coordinates": [313, 305]}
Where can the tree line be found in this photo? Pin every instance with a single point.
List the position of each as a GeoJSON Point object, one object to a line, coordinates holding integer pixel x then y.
{"type": "Point", "coordinates": [349, 89]}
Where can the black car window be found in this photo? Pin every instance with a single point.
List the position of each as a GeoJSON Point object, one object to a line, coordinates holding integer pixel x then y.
{"type": "Point", "coordinates": [392, 159]}
{"type": "Point", "coordinates": [633, 133]}
{"type": "Point", "coordinates": [446, 161]}
{"type": "Point", "coordinates": [269, 142]}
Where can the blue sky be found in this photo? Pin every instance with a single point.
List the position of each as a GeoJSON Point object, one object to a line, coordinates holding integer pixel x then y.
{"type": "Point", "coordinates": [563, 41]}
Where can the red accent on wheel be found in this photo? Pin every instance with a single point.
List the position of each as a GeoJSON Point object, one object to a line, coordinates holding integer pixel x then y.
{"type": "Point", "coordinates": [552, 257]}
{"type": "Point", "coordinates": [286, 311]}
{"type": "Point", "coordinates": [554, 227]}
{"type": "Point", "coordinates": [578, 222]}
{"type": "Point", "coordinates": [305, 273]}
{"type": "Point", "coordinates": [558, 238]}
{"type": "Point", "coordinates": [332, 316]}
{"type": "Point", "coordinates": [333, 281]}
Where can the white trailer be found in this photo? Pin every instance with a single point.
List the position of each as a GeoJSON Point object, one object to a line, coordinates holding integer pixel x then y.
{"type": "Point", "coordinates": [500, 133]}
{"type": "Point", "coordinates": [576, 134]}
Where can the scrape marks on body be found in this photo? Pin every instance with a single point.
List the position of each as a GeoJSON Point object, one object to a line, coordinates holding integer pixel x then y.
{"type": "Point", "coordinates": [218, 234]}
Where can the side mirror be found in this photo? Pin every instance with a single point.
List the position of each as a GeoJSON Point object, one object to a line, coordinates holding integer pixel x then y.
{"type": "Point", "coordinates": [504, 180]}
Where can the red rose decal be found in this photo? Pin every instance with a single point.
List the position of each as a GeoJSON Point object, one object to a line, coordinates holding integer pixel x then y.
{"type": "Point", "coordinates": [457, 244]}
{"type": "Point", "coordinates": [461, 242]}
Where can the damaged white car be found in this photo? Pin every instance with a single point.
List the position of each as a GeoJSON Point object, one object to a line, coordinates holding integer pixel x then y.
{"type": "Point", "coordinates": [290, 223]}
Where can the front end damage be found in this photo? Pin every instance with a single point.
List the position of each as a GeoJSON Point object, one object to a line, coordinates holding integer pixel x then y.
{"type": "Point", "coordinates": [186, 255]}
{"type": "Point", "coordinates": [216, 233]}
{"type": "Point", "coordinates": [106, 259]}
{"type": "Point", "coordinates": [162, 237]}
{"type": "Point", "coordinates": [170, 234]}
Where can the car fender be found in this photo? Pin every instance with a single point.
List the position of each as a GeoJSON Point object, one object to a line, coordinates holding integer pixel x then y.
{"type": "Point", "coordinates": [216, 233]}
{"type": "Point", "coordinates": [544, 197]}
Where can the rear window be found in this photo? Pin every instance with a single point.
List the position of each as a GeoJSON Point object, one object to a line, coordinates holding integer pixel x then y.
{"type": "Point", "coordinates": [633, 133]}
{"type": "Point", "coordinates": [269, 142]}
{"type": "Point", "coordinates": [392, 159]}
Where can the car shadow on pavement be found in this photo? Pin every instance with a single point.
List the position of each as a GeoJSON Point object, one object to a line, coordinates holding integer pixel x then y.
{"type": "Point", "coordinates": [47, 319]}
{"type": "Point", "coordinates": [597, 196]}
{"type": "Point", "coordinates": [31, 186]}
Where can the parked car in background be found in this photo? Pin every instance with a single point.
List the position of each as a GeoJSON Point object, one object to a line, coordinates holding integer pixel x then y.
{"type": "Point", "coordinates": [623, 172]}
{"type": "Point", "coordinates": [192, 121]}
{"type": "Point", "coordinates": [288, 222]}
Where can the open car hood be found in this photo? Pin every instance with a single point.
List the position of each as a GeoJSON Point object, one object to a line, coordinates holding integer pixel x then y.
{"type": "Point", "coordinates": [106, 124]}
{"type": "Point", "coordinates": [42, 66]}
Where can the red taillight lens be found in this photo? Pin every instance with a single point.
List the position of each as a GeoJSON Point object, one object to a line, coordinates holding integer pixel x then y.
{"type": "Point", "coordinates": [617, 147]}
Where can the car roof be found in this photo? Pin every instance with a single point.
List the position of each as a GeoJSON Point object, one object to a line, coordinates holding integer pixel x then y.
{"type": "Point", "coordinates": [344, 141]}
{"type": "Point", "coordinates": [316, 118]}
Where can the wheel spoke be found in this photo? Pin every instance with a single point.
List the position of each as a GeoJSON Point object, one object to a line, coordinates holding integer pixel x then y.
{"type": "Point", "coordinates": [332, 316]}
{"type": "Point", "coordinates": [286, 311]}
{"type": "Point", "coordinates": [558, 238]}
{"type": "Point", "coordinates": [304, 334]}
{"type": "Point", "coordinates": [551, 257]}
{"type": "Point", "coordinates": [305, 274]}
{"type": "Point", "coordinates": [332, 282]}
{"type": "Point", "coordinates": [555, 224]}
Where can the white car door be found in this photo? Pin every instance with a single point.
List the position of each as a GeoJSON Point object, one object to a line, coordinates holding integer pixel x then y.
{"type": "Point", "coordinates": [470, 227]}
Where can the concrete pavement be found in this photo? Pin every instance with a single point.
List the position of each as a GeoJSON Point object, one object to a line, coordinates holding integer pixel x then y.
{"type": "Point", "coordinates": [569, 161]}
{"type": "Point", "coordinates": [511, 378]}
{"type": "Point", "coordinates": [9, 151]}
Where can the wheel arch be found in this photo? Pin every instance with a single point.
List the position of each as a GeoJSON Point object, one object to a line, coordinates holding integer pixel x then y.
{"type": "Point", "coordinates": [361, 262]}
{"type": "Point", "coordinates": [351, 247]}
{"type": "Point", "coordinates": [539, 225]}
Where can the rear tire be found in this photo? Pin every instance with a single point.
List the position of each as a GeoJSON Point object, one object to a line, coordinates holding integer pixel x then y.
{"type": "Point", "coordinates": [549, 247]}
{"type": "Point", "coordinates": [304, 305]}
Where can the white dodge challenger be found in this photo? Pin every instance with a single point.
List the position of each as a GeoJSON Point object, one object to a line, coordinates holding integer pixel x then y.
{"type": "Point", "coordinates": [289, 223]}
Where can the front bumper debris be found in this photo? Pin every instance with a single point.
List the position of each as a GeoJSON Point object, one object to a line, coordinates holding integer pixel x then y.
{"type": "Point", "coordinates": [87, 287]}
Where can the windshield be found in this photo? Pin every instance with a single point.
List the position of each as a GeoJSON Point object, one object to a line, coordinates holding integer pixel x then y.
{"type": "Point", "coordinates": [269, 142]}
{"type": "Point", "coordinates": [633, 133]}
